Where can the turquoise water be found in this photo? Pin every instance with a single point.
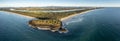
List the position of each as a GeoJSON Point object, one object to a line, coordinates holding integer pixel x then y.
{"type": "Point", "coordinates": [97, 25]}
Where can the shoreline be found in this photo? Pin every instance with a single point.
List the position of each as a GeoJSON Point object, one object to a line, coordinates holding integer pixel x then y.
{"type": "Point", "coordinates": [62, 19]}
{"type": "Point", "coordinates": [65, 18]}
{"type": "Point", "coordinates": [20, 15]}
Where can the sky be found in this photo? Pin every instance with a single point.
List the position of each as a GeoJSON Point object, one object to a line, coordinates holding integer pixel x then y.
{"type": "Point", "coordinates": [40, 3]}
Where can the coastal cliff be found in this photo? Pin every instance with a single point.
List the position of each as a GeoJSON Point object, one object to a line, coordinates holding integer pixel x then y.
{"type": "Point", "coordinates": [50, 24]}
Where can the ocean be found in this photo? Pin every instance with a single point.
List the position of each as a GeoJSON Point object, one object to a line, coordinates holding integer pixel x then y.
{"type": "Point", "coordinates": [97, 25]}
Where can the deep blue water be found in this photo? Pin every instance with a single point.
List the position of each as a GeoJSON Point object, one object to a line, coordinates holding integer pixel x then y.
{"type": "Point", "coordinates": [98, 25]}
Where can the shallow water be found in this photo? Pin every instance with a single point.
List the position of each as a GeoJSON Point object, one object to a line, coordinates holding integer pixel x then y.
{"type": "Point", "coordinates": [97, 25]}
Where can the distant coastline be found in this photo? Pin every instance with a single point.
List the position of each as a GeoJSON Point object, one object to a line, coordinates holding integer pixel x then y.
{"type": "Point", "coordinates": [62, 19]}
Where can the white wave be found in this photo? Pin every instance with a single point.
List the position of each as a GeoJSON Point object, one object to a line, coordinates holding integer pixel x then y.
{"type": "Point", "coordinates": [74, 21]}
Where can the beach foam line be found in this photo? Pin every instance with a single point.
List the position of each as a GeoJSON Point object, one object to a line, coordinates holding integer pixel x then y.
{"type": "Point", "coordinates": [73, 21]}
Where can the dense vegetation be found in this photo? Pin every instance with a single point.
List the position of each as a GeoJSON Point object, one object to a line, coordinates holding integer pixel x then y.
{"type": "Point", "coordinates": [47, 22]}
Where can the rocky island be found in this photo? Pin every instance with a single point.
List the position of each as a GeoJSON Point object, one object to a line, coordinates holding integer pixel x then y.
{"type": "Point", "coordinates": [48, 18]}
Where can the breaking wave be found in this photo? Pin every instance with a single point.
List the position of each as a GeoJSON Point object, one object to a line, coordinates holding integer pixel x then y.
{"type": "Point", "coordinates": [78, 18]}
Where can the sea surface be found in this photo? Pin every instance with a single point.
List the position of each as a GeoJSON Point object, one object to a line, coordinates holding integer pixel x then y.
{"type": "Point", "coordinates": [97, 25]}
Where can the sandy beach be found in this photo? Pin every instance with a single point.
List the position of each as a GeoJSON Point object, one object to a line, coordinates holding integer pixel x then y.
{"type": "Point", "coordinates": [65, 18]}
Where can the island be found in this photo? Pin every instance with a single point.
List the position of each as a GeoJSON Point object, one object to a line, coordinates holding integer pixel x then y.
{"type": "Point", "coordinates": [48, 18]}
